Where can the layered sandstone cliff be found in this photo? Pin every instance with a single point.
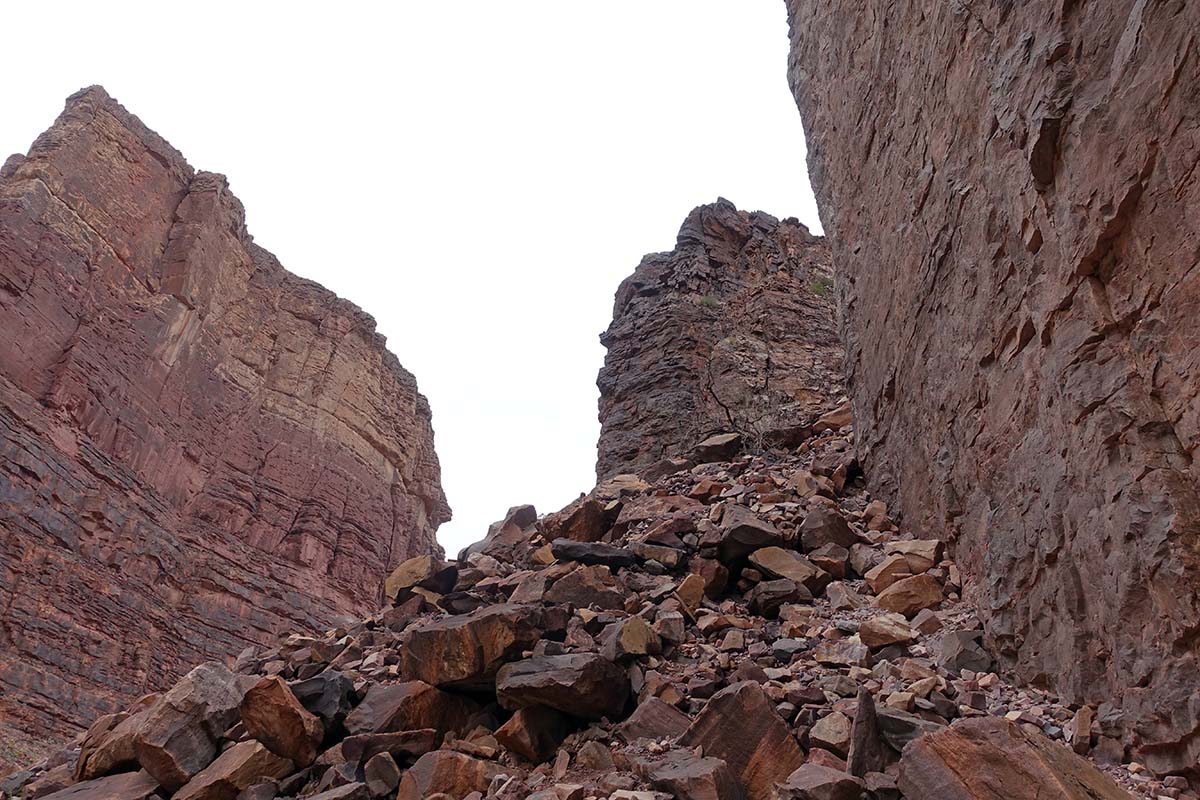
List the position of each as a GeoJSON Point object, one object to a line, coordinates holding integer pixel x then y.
{"type": "Point", "coordinates": [198, 449]}
{"type": "Point", "coordinates": [1014, 196]}
{"type": "Point", "coordinates": [732, 331]}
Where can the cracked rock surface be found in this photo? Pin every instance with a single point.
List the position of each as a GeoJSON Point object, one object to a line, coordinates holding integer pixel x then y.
{"type": "Point", "coordinates": [1011, 190]}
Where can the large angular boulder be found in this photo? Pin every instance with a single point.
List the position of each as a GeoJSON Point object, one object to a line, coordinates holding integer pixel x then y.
{"type": "Point", "coordinates": [816, 782]}
{"type": "Point", "coordinates": [742, 532]}
{"type": "Point", "coordinates": [909, 595]}
{"type": "Point", "coordinates": [239, 767]}
{"type": "Point", "coordinates": [409, 706]}
{"type": "Point", "coordinates": [580, 684]}
{"type": "Point", "coordinates": [466, 650]}
{"type": "Point", "coordinates": [780, 563]}
{"type": "Point", "coordinates": [690, 777]}
{"type": "Point", "coordinates": [273, 716]}
{"type": "Point", "coordinates": [585, 520]}
{"type": "Point", "coordinates": [989, 758]}
{"type": "Point", "coordinates": [177, 737]}
{"type": "Point", "coordinates": [740, 726]}
{"type": "Point", "coordinates": [534, 732]}
{"type": "Point", "coordinates": [447, 772]}
{"type": "Point", "coordinates": [326, 694]}
{"type": "Point", "coordinates": [588, 586]}
{"type": "Point", "coordinates": [823, 526]}
{"type": "Point", "coordinates": [426, 572]}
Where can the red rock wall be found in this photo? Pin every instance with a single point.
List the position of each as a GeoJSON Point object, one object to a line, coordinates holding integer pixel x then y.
{"type": "Point", "coordinates": [1013, 190]}
{"type": "Point", "coordinates": [734, 330]}
{"type": "Point", "coordinates": [198, 449]}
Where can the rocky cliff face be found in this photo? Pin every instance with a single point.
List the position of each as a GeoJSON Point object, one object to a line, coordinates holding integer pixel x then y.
{"type": "Point", "coordinates": [732, 331]}
{"type": "Point", "coordinates": [198, 449]}
{"type": "Point", "coordinates": [1013, 193]}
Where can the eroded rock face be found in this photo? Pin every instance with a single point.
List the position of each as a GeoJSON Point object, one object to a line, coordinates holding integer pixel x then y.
{"type": "Point", "coordinates": [198, 449]}
{"type": "Point", "coordinates": [733, 331]}
{"type": "Point", "coordinates": [1012, 192]}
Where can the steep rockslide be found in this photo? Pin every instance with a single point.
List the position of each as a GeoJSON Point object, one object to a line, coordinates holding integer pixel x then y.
{"type": "Point", "coordinates": [1013, 194]}
{"type": "Point", "coordinates": [198, 449]}
{"type": "Point", "coordinates": [734, 331]}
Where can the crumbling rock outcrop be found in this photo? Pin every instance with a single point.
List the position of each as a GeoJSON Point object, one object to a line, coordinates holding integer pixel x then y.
{"type": "Point", "coordinates": [732, 332]}
{"type": "Point", "coordinates": [1012, 193]}
{"type": "Point", "coordinates": [198, 449]}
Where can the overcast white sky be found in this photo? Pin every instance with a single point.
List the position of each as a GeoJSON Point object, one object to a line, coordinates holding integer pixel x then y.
{"type": "Point", "coordinates": [478, 175]}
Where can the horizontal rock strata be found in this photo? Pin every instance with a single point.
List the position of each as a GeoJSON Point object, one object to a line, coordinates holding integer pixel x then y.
{"type": "Point", "coordinates": [198, 449]}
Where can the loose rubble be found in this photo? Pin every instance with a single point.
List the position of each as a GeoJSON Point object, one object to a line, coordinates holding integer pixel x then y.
{"type": "Point", "coordinates": [755, 629]}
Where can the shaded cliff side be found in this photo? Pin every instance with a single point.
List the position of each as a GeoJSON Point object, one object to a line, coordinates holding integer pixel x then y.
{"type": "Point", "coordinates": [198, 449]}
{"type": "Point", "coordinates": [1013, 194]}
{"type": "Point", "coordinates": [732, 331]}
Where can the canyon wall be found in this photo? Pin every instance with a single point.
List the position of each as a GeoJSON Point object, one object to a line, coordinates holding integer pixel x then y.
{"type": "Point", "coordinates": [732, 331]}
{"type": "Point", "coordinates": [198, 449]}
{"type": "Point", "coordinates": [1014, 197]}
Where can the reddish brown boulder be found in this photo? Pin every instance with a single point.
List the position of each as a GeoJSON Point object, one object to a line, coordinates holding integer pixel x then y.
{"type": "Point", "coordinates": [689, 777]}
{"type": "Point", "coordinates": [198, 449]}
{"type": "Point", "coordinates": [448, 772]}
{"type": "Point", "coordinates": [696, 332]}
{"type": "Point", "coordinates": [739, 725]}
{"type": "Point", "coordinates": [580, 684]}
{"type": "Point", "coordinates": [273, 716]}
{"type": "Point", "coordinates": [585, 520]}
{"type": "Point", "coordinates": [534, 733]}
{"type": "Point", "coordinates": [239, 767]}
{"type": "Point", "coordinates": [588, 586]}
{"type": "Point", "coordinates": [466, 650]}
{"type": "Point", "coordinates": [1018, 274]}
{"type": "Point", "coordinates": [409, 706]}
{"type": "Point", "coordinates": [907, 596]}
{"type": "Point", "coordinates": [988, 758]}
{"type": "Point", "coordinates": [178, 735]}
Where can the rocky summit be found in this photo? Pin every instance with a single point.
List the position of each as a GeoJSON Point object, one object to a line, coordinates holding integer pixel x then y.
{"type": "Point", "coordinates": [731, 334]}
{"type": "Point", "coordinates": [753, 628]}
{"type": "Point", "coordinates": [199, 451]}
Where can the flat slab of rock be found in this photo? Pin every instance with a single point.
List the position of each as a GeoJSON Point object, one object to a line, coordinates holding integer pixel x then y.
{"type": "Point", "coordinates": [579, 684]}
{"type": "Point", "coordinates": [989, 758]}
{"type": "Point", "coordinates": [126, 786]}
{"type": "Point", "coordinates": [239, 767]}
{"type": "Point", "coordinates": [780, 563]}
{"type": "Point", "coordinates": [409, 706]}
{"type": "Point", "coordinates": [592, 553]}
{"type": "Point", "coordinates": [907, 596]}
{"type": "Point", "coordinates": [815, 782]}
{"type": "Point", "coordinates": [740, 726]}
{"type": "Point", "coordinates": [654, 719]}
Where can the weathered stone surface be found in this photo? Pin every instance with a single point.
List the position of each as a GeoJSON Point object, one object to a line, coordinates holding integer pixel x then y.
{"type": "Point", "coordinates": [815, 782]}
{"type": "Point", "coordinates": [426, 571]}
{"type": "Point", "coordinates": [409, 706]}
{"type": "Point", "coordinates": [961, 650]}
{"type": "Point", "coordinates": [743, 532]}
{"type": "Point", "coordinates": [690, 777]}
{"type": "Point", "coordinates": [866, 752]}
{"type": "Point", "coordinates": [907, 596]}
{"type": "Point", "coordinates": [654, 719]}
{"type": "Point", "coordinates": [239, 767]}
{"type": "Point", "coordinates": [198, 449]}
{"type": "Point", "coordinates": [534, 732]}
{"type": "Point", "coordinates": [580, 684]}
{"type": "Point", "coordinates": [732, 332]}
{"type": "Point", "coordinates": [990, 759]}
{"type": "Point", "coordinates": [273, 716]}
{"type": "Point", "coordinates": [1010, 190]}
{"type": "Point", "coordinates": [739, 725]}
{"type": "Point", "coordinates": [401, 745]}
{"type": "Point", "coordinates": [588, 586]}
{"type": "Point", "coordinates": [126, 786]}
{"type": "Point", "coordinates": [467, 649]}
{"type": "Point", "coordinates": [454, 774]}
{"type": "Point", "coordinates": [592, 553]}
{"type": "Point", "coordinates": [780, 563]}
{"type": "Point", "coordinates": [178, 735]}
{"type": "Point", "coordinates": [823, 526]}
